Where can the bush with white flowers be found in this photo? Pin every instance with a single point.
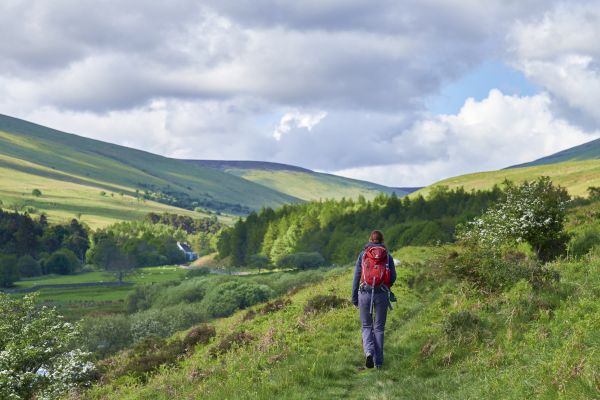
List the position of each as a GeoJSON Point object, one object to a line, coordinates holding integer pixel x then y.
{"type": "Point", "coordinates": [38, 354]}
{"type": "Point", "coordinates": [533, 212]}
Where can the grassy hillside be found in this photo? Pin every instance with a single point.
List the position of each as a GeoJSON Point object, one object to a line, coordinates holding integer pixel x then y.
{"type": "Point", "coordinates": [521, 343]}
{"type": "Point", "coordinates": [61, 159]}
{"type": "Point", "coordinates": [68, 197]}
{"type": "Point", "coordinates": [575, 176]}
{"type": "Point", "coordinates": [300, 182]}
{"type": "Point", "coordinates": [586, 151]}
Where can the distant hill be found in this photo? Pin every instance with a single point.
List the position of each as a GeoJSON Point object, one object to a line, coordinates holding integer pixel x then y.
{"type": "Point", "coordinates": [576, 169]}
{"type": "Point", "coordinates": [78, 175]}
{"type": "Point", "coordinates": [228, 165]}
{"type": "Point", "coordinates": [575, 176]}
{"type": "Point", "coordinates": [300, 182]}
{"type": "Point", "coordinates": [586, 151]}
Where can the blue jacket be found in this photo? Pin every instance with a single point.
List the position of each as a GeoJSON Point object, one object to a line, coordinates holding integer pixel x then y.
{"type": "Point", "coordinates": [358, 272]}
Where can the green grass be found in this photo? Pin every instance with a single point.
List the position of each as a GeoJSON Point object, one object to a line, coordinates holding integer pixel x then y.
{"type": "Point", "coordinates": [63, 200]}
{"type": "Point", "coordinates": [32, 155]}
{"type": "Point", "coordinates": [575, 176]}
{"type": "Point", "coordinates": [311, 186]}
{"type": "Point", "coordinates": [84, 295]}
{"type": "Point", "coordinates": [298, 356]}
{"type": "Point", "coordinates": [412, 254]}
{"type": "Point", "coordinates": [86, 277]}
{"type": "Point", "coordinates": [532, 344]}
{"type": "Point", "coordinates": [139, 276]}
{"type": "Point", "coordinates": [77, 302]}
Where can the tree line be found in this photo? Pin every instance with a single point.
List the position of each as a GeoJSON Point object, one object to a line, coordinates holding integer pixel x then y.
{"type": "Point", "coordinates": [337, 230]}
{"type": "Point", "coordinates": [31, 247]}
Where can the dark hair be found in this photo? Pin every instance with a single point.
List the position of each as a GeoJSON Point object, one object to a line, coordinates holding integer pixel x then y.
{"type": "Point", "coordinates": [376, 237]}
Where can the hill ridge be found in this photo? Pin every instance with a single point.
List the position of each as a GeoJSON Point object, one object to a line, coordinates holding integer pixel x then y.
{"type": "Point", "coordinates": [585, 151]}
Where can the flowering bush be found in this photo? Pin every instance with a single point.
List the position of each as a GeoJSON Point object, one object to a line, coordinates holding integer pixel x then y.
{"type": "Point", "coordinates": [38, 357]}
{"type": "Point", "coordinates": [533, 212]}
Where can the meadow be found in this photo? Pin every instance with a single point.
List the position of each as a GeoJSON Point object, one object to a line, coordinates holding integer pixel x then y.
{"type": "Point", "coordinates": [77, 302]}
{"type": "Point", "coordinates": [520, 350]}
{"type": "Point", "coordinates": [311, 186]}
{"type": "Point", "coordinates": [448, 336]}
{"type": "Point", "coordinates": [575, 176]}
{"type": "Point", "coordinates": [94, 203]}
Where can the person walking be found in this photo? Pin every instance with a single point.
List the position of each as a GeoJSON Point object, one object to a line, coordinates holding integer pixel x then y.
{"type": "Point", "coordinates": [374, 274]}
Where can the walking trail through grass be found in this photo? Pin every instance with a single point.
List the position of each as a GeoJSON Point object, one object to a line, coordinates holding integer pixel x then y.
{"type": "Point", "coordinates": [527, 347]}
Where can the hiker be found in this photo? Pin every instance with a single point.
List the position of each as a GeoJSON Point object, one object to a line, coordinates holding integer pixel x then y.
{"type": "Point", "coordinates": [374, 274]}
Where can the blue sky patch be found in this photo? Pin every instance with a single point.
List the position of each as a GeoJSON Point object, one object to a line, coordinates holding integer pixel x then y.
{"type": "Point", "coordinates": [477, 84]}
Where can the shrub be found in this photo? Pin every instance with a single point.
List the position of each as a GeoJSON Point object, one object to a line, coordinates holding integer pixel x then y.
{"type": "Point", "coordinates": [582, 244]}
{"type": "Point", "coordinates": [9, 271]}
{"type": "Point", "coordinates": [105, 335]}
{"type": "Point", "coordinates": [36, 192]}
{"type": "Point", "coordinates": [463, 326]}
{"type": "Point", "coordinates": [143, 297]}
{"type": "Point", "coordinates": [190, 291]}
{"type": "Point", "coordinates": [302, 260]}
{"type": "Point", "coordinates": [163, 322]}
{"type": "Point", "coordinates": [533, 212]}
{"type": "Point", "coordinates": [196, 272]}
{"type": "Point", "coordinates": [260, 261]}
{"type": "Point", "coordinates": [495, 271]}
{"type": "Point", "coordinates": [148, 355]}
{"type": "Point", "coordinates": [62, 262]}
{"type": "Point", "coordinates": [199, 334]}
{"type": "Point", "coordinates": [48, 346]}
{"type": "Point", "coordinates": [222, 300]}
{"type": "Point", "coordinates": [28, 266]}
{"type": "Point", "coordinates": [230, 341]}
{"type": "Point", "coordinates": [323, 302]}
{"type": "Point", "coordinates": [274, 306]}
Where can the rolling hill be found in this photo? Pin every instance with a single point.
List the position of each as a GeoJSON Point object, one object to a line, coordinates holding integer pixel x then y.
{"type": "Point", "coordinates": [575, 176]}
{"type": "Point", "coordinates": [586, 151]}
{"type": "Point", "coordinates": [103, 182]}
{"type": "Point", "coordinates": [107, 182]}
{"type": "Point", "coordinates": [300, 182]}
{"type": "Point", "coordinates": [576, 169]}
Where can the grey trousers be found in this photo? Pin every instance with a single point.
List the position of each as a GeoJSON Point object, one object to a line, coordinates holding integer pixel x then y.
{"type": "Point", "coordinates": [373, 325]}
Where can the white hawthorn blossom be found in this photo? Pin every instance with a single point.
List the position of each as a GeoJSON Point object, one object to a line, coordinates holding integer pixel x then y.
{"type": "Point", "coordinates": [38, 354]}
{"type": "Point", "coordinates": [532, 212]}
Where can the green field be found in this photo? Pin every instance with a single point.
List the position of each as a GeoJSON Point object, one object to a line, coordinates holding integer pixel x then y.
{"type": "Point", "coordinates": [77, 302]}
{"type": "Point", "coordinates": [575, 176]}
{"type": "Point", "coordinates": [74, 170]}
{"type": "Point", "coordinates": [64, 200]}
{"type": "Point", "coordinates": [140, 276]}
{"type": "Point", "coordinates": [311, 185]}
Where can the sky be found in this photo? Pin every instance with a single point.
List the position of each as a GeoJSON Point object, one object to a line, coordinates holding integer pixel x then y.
{"type": "Point", "coordinates": [399, 93]}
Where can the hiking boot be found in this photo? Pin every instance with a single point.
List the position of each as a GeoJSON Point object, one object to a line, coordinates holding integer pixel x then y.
{"type": "Point", "coordinates": [369, 361]}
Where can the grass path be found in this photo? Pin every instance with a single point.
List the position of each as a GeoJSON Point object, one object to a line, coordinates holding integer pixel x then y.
{"type": "Point", "coordinates": [551, 354]}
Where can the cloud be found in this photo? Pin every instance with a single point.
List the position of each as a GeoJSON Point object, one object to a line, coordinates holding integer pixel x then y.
{"type": "Point", "coordinates": [560, 52]}
{"type": "Point", "coordinates": [116, 55]}
{"type": "Point", "coordinates": [490, 134]}
{"type": "Point", "coordinates": [297, 119]}
{"type": "Point", "coordinates": [252, 80]}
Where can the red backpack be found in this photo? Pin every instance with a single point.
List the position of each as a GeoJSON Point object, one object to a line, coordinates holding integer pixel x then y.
{"type": "Point", "coordinates": [375, 268]}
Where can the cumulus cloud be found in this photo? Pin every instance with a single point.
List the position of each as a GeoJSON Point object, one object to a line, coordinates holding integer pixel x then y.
{"type": "Point", "coordinates": [493, 133]}
{"type": "Point", "coordinates": [297, 119]}
{"type": "Point", "coordinates": [560, 52]}
{"type": "Point", "coordinates": [252, 80]}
